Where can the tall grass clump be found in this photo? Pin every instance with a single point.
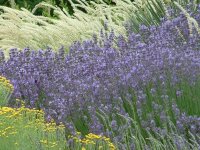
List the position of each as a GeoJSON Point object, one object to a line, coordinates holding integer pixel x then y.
{"type": "Point", "coordinates": [21, 28]}
{"type": "Point", "coordinates": [134, 90]}
{"type": "Point", "coordinates": [151, 12]}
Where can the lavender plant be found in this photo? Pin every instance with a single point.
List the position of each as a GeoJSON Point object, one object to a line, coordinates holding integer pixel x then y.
{"type": "Point", "coordinates": [135, 77]}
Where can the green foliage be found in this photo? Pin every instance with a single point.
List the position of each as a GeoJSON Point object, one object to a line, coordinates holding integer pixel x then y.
{"type": "Point", "coordinates": [6, 90]}
{"type": "Point", "coordinates": [24, 128]}
{"type": "Point", "coordinates": [189, 97]}
{"type": "Point", "coordinates": [150, 12]}
{"type": "Point", "coordinates": [30, 4]}
{"type": "Point", "coordinates": [185, 94]}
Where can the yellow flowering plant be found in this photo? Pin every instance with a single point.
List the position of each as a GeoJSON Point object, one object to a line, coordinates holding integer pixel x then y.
{"type": "Point", "coordinates": [6, 89]}
{"type": "Point", "coordinates": [92, 142]}
{"type": "Point", "coordinates": [24, 128]}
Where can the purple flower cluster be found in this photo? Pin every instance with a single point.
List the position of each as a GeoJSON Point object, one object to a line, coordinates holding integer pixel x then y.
{"type": "Point", "coordinates": [95, 73]}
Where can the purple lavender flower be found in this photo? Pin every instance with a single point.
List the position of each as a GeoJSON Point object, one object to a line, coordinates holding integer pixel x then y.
{"type": "Point", "coordinates": [95, 73]}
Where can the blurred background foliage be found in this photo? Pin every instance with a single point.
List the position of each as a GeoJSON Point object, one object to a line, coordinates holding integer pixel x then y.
{"type": "Point", "coordinates": [144, 14]}
{"type": "Point", "coordinates": [67, 5]}
{"type": "Point", "coordinates": [30, 4]}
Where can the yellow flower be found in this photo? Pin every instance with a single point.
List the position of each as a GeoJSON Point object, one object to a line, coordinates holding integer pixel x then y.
{"type": "Point", "coordinates": [93, 136]}
{"type": "Point", "coordinates": [44, 141]}
{"type": "Point", "coordinates": [8, 128]}
{"type": "Point", "coordinates": [83, 148]}
{"type": "Point", "coordinates": [3, 133]}
{"type": "Point", "coordinates": [111, 146]}
{"type": "Point", "coordinates": [13, 133]}
{"type": "Point", "coordinates": [6, 83]}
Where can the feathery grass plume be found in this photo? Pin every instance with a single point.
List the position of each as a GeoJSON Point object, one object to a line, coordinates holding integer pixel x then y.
{"type": "Point", "coordinates": [148, 13]}
{"type": "Point", "coordinates": [12, 3]}
{"type": "Point", "coordinates": [21, 28]}
{"type": "Point", "coordinates": [151, 12]}
{"type": "Point", "coordinates": [191, 21]}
